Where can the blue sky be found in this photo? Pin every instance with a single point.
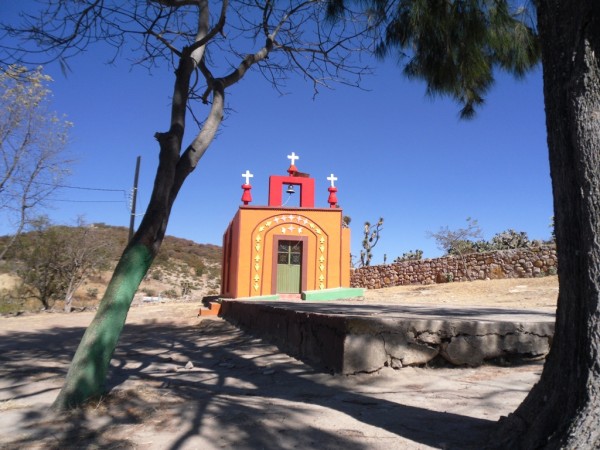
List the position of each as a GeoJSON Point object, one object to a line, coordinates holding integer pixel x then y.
{"type": "Point", "coordinates": [396, 153]}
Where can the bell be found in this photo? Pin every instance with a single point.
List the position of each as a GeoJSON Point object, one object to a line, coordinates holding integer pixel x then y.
{"type": "Point", "coordinates": [290, 189]}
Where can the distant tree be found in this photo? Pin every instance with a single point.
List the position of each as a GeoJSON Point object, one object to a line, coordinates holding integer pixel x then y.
{"type": "Point", "coordinates": [84, 254]}
{"type": "Point", "coordinates": [210, 50]}
{"type": "Point", "coordinates": [33, 140]}
{"type": "Point", "coordinates": [55, 260]}
{"type": "Point", "coordinates": [458, 242]}
{"type": "Point", "coordinates": [40, 253]}
{"type": "Point", "coordinates": [371, 235]}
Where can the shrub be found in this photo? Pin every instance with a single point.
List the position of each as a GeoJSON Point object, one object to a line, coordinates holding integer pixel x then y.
{"type": "Point", "coordinates": [170, 293]}
{"type": "Point", "coordinates": [411, 255]}
{"type": "Point", "coordinates": [510, 239]}
{"type": "Point", "coordinates": [157, 275]}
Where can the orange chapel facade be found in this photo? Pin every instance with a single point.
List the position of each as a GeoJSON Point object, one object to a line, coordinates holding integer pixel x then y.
{"type": "Point", "coordinates": [275, 250]}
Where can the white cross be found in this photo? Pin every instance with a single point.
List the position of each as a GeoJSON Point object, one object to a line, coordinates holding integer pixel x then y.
{"type": "Point", "coordinates": [247, 176]}
{"type": "Point", "coordinates": [293, 158]}
{"type": "Point", "coordinates": [333, 179]}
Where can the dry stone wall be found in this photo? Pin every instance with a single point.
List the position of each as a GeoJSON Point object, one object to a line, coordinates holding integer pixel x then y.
{"type": "Point", "coordinates": [519, 263]}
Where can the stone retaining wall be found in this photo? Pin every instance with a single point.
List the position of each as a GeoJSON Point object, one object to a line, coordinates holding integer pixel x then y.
{"type": "Point", "coordinates": [519, 263]}
{"type": "Point", "coordinates": [353, 338]}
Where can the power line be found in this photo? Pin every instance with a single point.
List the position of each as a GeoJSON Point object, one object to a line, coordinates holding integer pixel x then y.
{"type": "Point", "coordinates": [82, 188]}
{"type": "Point", "coordinates": [66, 186]}
{"type": "Point", "coordinates": [87, 201]}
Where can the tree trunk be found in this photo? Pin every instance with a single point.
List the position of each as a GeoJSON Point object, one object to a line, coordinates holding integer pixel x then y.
{"type": "Point", "coordinates": [68, 303]}
{"type": "Point", "coordinates": [71, 288]}
{"type": "Point", "coordinates": [563, 409]}
{"type": "Point", "coordinates": [88, 370]}
{"type": "Point", "coordinates": [87, 373]}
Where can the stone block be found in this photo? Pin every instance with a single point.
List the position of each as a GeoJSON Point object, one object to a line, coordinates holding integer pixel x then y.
{"type": "Point", "coordinates": [407, 350]}
{"type": "Point", "coordinates": [363, 353]}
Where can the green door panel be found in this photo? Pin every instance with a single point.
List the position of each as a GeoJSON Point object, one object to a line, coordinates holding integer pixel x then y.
{"type": "Point", "coordinates": [289, 267]}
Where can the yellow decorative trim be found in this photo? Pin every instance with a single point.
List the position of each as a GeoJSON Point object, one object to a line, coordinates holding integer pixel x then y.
{"type": "Point", "coordinates": [291, 225]}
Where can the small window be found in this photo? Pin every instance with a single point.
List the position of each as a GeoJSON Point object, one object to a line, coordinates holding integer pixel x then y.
{"type": "Point", "coordinates": [289, 252]}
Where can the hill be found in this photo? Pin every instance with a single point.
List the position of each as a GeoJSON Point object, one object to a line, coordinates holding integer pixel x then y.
{"type": "Point", "coordinates": [183, 269]}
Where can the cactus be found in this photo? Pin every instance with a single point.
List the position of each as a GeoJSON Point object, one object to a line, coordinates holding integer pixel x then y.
{"type": "Point", "coordinates": [411, 255]}
{"type": "Point", "coordinates": [370, 239]}
{"type": "Point", "coordinates": [510, 239]}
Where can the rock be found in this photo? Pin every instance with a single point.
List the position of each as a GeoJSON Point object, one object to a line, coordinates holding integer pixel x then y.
{"type": "Point", "coordinates": [355, 357]}
{"type": "Point", "coordinates": [395, 363]}
{"type": "Point", "coordinates": [463, 350]}
{"type": "Point", "coordinates": [407, 350]}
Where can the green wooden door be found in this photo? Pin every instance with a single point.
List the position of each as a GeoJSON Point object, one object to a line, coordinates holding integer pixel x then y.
{"type": "Point", "coordinates": [289, 267]}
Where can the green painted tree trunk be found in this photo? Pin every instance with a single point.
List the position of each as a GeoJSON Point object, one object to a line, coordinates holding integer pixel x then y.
{"type": "Point", "coordinates": [88, 370]}
{"type": "Point", "coordinates": [87, 374]}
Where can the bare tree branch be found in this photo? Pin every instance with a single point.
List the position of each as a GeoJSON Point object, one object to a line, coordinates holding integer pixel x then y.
{"type": "Point", "coordinates": [32, 146]}
{"type": "Point", "coordinates": [210, 52]}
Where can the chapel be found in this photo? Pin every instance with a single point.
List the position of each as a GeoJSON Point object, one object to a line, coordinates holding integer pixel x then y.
{"type": "Point", "coordinates": [275, 251]}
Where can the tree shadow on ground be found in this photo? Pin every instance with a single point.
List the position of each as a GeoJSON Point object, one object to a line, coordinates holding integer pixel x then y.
{"type": "Point", "coordinates": [210, 385]}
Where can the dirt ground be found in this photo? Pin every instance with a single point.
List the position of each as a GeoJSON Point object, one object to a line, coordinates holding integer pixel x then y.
{"type": "Point", "coordinates": [182, 382]}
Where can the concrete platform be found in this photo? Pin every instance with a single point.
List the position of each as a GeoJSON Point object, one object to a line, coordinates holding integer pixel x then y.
{"type": "Point", "coordinates": [353, 337]}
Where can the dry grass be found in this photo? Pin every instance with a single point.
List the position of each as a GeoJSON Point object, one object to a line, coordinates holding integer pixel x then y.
{"type": "Point", "coordinates": [513, 292]}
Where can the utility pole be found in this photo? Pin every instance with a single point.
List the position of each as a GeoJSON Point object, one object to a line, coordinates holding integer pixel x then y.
{"type": "Point", "coordinates": [134, 197]}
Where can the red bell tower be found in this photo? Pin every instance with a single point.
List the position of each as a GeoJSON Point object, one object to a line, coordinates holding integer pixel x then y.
{"type": "Point", "coordinates": [295, 178]}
